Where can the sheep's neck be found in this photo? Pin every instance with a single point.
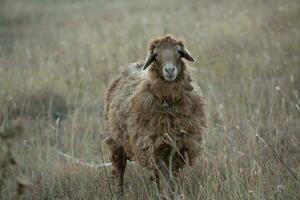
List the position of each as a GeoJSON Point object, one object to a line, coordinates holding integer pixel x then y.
{"type": "Point", "coordinates": [167, 92]}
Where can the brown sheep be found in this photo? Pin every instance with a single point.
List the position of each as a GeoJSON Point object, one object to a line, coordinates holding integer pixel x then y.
{"type": "Point", "coordinates": [155, 117]}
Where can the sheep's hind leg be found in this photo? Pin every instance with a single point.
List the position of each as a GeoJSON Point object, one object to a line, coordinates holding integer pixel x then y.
{"type": "Point", "coordinates": [119, 165]}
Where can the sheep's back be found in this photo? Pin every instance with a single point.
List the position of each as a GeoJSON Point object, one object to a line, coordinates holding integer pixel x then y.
{"type": "Point", "coordinates": [118, 98]}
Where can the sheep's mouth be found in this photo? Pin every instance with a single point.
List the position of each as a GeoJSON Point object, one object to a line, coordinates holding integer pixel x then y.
{"type": "Point", "coordinates": [170, 77]}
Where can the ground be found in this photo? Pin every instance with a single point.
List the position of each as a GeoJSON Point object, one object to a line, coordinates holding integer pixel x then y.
{"type": "Point", "coordinates": [58, 57]}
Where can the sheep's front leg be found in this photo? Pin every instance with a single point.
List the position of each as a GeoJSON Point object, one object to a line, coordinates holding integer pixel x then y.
{"type": "Point", "coordinates": [164, 178]}
{"type": "Point", "coordinates": [119, 165]}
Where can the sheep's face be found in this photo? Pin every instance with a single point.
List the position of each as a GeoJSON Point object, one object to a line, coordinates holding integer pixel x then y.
{"type": "Point", "coordinates": [168, 62]}
{"type": "Point", "coordinates": [167, 53]}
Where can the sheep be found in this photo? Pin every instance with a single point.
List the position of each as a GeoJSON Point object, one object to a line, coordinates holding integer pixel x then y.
{"type": "Point", "coordinates": [155, 114]}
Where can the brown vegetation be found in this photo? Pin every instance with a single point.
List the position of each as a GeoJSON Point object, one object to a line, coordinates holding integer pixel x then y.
{"type": "Point", "coordinates": [37, 104]}
{"type": "Point", "coordinates": [7, 160]}
{"type": "Point", "coordinates": [247, 63]}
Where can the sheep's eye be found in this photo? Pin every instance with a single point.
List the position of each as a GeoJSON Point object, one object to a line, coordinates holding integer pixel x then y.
{"type": "Point", "coordinates": [179, 52]}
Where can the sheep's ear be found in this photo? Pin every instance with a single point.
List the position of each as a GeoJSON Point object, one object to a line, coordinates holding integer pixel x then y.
{"type": "Point", "coordinates": [149, 60]}
{"type": "Point", "coordinates": [187, 55]}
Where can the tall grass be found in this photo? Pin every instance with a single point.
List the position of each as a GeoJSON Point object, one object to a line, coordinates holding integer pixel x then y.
{"type": "Point", "coordinates": [248, 65]}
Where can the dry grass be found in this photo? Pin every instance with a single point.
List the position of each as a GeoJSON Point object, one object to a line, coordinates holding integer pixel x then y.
{"type": "Point", "coordinates": [7, 159]}
{"type": "Point", "coordinates": [248, 64]}
{"type": "Point", "coordinates": [44, 103]}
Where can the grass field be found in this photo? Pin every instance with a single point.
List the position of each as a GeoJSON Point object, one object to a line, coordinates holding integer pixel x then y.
{"type": "Point", "coordinates": [58, 57]}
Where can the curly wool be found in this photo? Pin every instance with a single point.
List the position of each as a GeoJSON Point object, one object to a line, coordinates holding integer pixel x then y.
{"type": "Point", "coordinates": [152, 119]}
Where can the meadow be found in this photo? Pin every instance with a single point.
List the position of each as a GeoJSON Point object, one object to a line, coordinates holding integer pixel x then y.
{"type": "Point", "coordinates": [58, 57]}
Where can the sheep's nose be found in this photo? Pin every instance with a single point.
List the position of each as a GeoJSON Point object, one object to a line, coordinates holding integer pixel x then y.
{"type": "Point", "coordinates": [169, 70]}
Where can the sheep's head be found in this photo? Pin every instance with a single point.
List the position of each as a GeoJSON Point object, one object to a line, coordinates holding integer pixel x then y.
{"type": "Point", "coordinates": [166, 52]}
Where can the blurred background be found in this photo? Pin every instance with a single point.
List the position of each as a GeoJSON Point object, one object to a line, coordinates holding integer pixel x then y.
{"type": "Point", "coordinates": [58, 57]}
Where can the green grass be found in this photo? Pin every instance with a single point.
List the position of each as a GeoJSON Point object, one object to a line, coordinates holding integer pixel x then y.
{"type": "Point", "coordinates": [248, 64]}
